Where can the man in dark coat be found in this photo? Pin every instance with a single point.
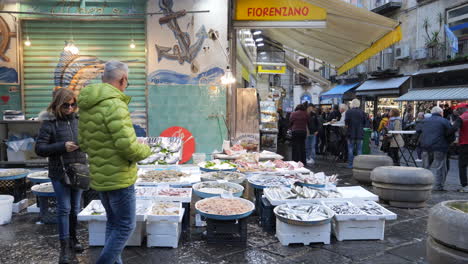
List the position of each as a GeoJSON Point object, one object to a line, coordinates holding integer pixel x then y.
{"type": "Point", "coordinates": [355, 122]}
{"type": "Point", "coordinates": [434, 144]}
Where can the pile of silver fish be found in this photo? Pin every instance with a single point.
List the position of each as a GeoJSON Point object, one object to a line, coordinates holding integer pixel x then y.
{"type": "Point", "coordinates": [303, 212]}
{"type": "Point", "coordinates": [344, 208]}
{"type": "Point", "coordinates": [371, 209]}
{"type": "Point", "coordinates": [269, 181]}
{"type": "Point", "coordinates": [298, 192]}
{"type": "Point", "coordinates": [166, 150]}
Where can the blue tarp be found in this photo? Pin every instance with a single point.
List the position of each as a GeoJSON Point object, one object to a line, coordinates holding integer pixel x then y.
{"type": "Point", "coordinates": [338, 90]}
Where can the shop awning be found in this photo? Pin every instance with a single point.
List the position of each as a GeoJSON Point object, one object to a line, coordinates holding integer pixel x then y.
{"type": "Point", "coordinates": [338, 90]}
{"type": "Point", "coordinates": [435, 94]}
{"type": "Point", "coordinates": [351, 36]}
{"type": "Point", "coordinates": [442, 69]}
{"type": "Point", "coordinates": [315, 76]}
{"type": "Point", "coordinates": [387, 86]}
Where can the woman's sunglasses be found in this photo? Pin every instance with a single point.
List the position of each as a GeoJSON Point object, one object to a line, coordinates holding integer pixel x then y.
{"type": "Point", "coordinates": [67, 105]}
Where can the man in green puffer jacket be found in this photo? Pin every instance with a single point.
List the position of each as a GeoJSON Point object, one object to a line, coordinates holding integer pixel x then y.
{"type": "Point", "coordinates": [107, 135]}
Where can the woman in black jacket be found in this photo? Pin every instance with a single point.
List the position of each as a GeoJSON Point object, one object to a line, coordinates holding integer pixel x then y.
{"type": "Point", "coordinates": [57, 140]}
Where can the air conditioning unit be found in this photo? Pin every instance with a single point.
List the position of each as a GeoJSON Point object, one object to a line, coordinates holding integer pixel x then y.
{"type": "Point", "coordinates": [402, 52]}
{"type": "Point", "coordinates": [420, 54]}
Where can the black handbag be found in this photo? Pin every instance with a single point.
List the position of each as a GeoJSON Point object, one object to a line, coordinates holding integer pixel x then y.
{"type": "Point", "coordinates": [76, 175]}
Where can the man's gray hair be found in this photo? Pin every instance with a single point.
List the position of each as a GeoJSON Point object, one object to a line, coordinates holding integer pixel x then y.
{"type": "Point", "coordinates": [344, 107]}
{"type": "Point", "coordinates": [436, 110]}
{"type": "Point", "coordinates": [114, 71]}
{"type": "Point", "coordinates": [421, 115]}
{"type": "Point", "coordinates": [355, 103]}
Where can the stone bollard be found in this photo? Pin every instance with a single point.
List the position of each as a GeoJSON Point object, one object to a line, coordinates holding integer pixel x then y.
{"type": "Point", "coordinates": [404, 187]}
{"type": "Point", "coordinates": [364, 164]}
{"type": "Point", "coordinates": [448, 233]}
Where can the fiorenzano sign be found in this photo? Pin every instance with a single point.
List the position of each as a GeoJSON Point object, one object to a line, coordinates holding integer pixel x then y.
{"type": "Point", "coordinates": [278, 10]}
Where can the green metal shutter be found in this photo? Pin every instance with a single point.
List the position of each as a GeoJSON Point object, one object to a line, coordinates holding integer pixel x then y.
{"type": "Point", "coordinates": [98, 42]}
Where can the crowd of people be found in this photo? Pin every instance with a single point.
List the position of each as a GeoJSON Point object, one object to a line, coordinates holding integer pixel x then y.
{"type": "Point", "coordinates": [440, 133]}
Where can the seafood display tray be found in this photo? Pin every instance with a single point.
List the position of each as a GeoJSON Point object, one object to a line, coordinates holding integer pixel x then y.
{"type": "Point", "coordinates": [86, 213]}
{"type": "Point", "coordinates": [353, 193]}
{"type": "Point", "coordinates": [163, 198]}
{"type": "Point", "coordinates": [164, 233]}
{"type": "Point", "coordinates": [228, 217]}
{"type": "Point", "coordinates": [362, 226]}
{"type": "Point", "coordinates": [296, 234]}
{"type": "Point", "coordinates": [169, 218]}
{"type": "Point", "coordinates": [201, 194]}
{"type": "Point", "coordinates": [194, 178]}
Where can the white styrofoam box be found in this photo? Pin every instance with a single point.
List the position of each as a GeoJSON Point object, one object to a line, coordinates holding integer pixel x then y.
{"type": "Point", "coordinates": [353, 193]}
{"type": "Point", "coordinates": [97, 234]}
{"type": "Point", "coordinates": [20, 206]}
{"type": "Point", "coordinates": [142, 209]}
{"type": "Point", "coordinates": [16, 155]}
{"type": "Point", "coordinates": [33, 209]}
{"type": "Point", "coordinates": [362, 226]}
{"type": "Point", "coordinates": [358, 229]}
{"type": "Point", "coordinates": [292, 234]}
{"type": "Point", "coordinates": [163, 241]}
{"type": "Point", "coordinates": [183, 199]}
{"type": "Point", "coordinates": [170, 218]}
{"type": "Point", "coordinates": [164, 227]}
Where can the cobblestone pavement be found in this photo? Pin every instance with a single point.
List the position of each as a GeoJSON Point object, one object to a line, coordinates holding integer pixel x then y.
{"type": "Point", "coordinates": [24, 241]}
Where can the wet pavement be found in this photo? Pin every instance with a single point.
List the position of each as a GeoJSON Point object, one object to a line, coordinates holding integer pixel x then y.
{"type": "Point", "coordinates": [24, 241]}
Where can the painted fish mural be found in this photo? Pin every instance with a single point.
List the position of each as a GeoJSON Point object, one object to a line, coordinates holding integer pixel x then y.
{"type": "Point", "coordinates": [210, 76]}
{"type": "Point", "coordinates": [183, 51]}
{"type": "Point", "coordinates": [76, 71]}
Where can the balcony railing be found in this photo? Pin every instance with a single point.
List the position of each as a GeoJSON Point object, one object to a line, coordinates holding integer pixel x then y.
{"type": "Point", "coordinates": [385, 6]}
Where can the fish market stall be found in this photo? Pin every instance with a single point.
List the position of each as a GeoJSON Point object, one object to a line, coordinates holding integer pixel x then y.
{"type": "Point", "coordinates": [37, 177]}
{"type": "Point", "coordinates": [303, 223]}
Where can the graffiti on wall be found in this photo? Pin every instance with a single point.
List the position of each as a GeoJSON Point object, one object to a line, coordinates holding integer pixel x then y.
{"type": "Point", "coordinates": [184, 50]}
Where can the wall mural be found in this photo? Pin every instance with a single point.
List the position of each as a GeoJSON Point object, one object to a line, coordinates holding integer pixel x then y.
{"type": "Point", "coordinates": [183, 51]}
{"type": "Point", "coordinates": [171, 77]}
{"type": "Point", "coordinates": [5, 35]}
{"type": "Point", "coordinates": [8, 75]}
{"type": "Point", "coordinates": [76, 71]}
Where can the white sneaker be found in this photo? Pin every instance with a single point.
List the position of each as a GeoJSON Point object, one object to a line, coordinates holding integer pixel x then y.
{"type": "Point", "coordinates": [418, 160]}
{"type": "Point", "coordinates": [310, 161]}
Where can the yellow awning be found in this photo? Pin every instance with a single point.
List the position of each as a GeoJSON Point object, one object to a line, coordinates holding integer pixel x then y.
{"type": "Point", "coordinates": [352, 35]}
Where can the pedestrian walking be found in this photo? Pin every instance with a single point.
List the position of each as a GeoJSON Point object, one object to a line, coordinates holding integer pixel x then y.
{"type": "Point", "coordinates": [107, 136]}
{"type": "Point", "coordinates": [396, 140]}
{"type": "Point", "coordinates": [419, 122]}
{"type": "Point", "coordinates": [434, 144]}
{"type": "Point", "coordinates": [375, 128]}
{"type": "Point", "coordinates": [298, 125]}
{"type": "Point", "coordinates": [355, 121]}
{"type": "Point", "coordinates": [321, 137]}
{"type": "Point", "coordinates": [463, 148]}
{"type": "Point", "coordinates": [313, 126]}
{"type": "Point", "coordinates": [58, 140]}
{"type": "Point", "coordinates": [334, 115]}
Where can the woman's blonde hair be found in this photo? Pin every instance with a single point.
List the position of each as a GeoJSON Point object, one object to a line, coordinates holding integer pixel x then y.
{"type": "Point", "coordinates": [394, 112]}
{"type": "Point", "coordinates": [61, 96]}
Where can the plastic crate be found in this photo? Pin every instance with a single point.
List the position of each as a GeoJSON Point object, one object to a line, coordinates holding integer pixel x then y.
{"type": "Point", "coordinates": [267, 216]}
{"type": "Point", "coordinates": [295, 234]}
{"type": "Point", "coordinates": [232, 232]}
{"type": "Point", "coordinates": [16, 188]}
{"type": "Point", "coordinates": [48, 209]}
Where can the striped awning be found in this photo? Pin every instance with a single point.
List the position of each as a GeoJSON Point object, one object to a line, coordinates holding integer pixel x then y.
{"type": "Point", "coordinates": [435, 94]}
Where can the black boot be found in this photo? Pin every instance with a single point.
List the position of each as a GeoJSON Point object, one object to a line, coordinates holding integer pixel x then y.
{"type": "Point", "coordinates": [74, 242]}
{"type": "Point", "coordinates": [65, 254]}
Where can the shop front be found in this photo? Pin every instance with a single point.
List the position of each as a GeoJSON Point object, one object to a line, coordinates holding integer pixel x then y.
{"type": "Point", "coordinates": [378, 95]}
{"type": "Point", "coordinates": [339, 94]}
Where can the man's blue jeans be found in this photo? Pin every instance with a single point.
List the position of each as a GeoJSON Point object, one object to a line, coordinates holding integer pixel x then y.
{"type": "Point", "coordinates": [376, 138]}
{"type": "Point", "coordinates": [68, 206]}
{"type": "Point", "coordinates": [310, 146]}
{"type": "Point", "coordinates": [351, 144]}
{"type": "Point", "coordinates": [120, 208]}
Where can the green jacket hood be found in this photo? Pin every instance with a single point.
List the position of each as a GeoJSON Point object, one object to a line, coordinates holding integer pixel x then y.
{"type": "Point", "coordinates": [93, 94]}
